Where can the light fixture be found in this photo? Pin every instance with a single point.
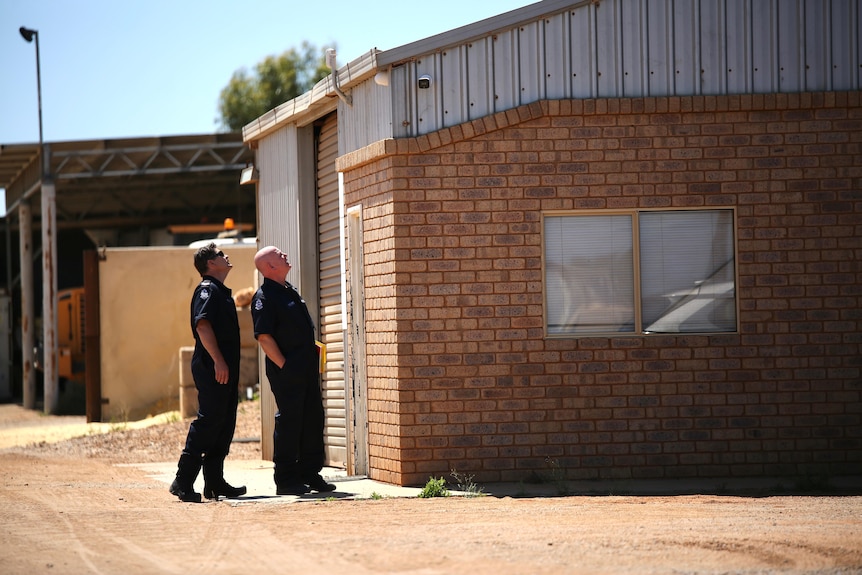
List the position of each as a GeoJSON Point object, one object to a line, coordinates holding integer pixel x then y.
{"type": "Point", "coordinates": [28, 34]}
{"type": "Point", "coordinates": [249, 175]}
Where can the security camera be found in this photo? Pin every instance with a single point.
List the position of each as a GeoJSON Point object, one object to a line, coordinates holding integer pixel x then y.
{"type": "Point", "coordinates": [424, 81]}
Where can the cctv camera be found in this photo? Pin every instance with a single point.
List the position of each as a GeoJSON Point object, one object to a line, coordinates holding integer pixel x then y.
{"type": "Point", "coordinates": [424, 81]}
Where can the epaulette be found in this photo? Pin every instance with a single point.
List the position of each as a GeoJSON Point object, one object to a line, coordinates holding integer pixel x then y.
{"type": "Point", "coordinates": [206, 283]}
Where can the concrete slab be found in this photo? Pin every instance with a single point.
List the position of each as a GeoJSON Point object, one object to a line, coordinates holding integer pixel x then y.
{"type": "Point", "coordinates": [257, 477]}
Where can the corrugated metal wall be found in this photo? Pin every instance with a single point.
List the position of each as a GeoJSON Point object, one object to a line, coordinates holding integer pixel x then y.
{"type": "Point", "coordinates": [368, 119]}
{"type": "Point", "coordinates": [634, 48]}
{"type": "Point", "coordinates": [278, 225]}
{"type": "Point", "coordinates": [330, 331]}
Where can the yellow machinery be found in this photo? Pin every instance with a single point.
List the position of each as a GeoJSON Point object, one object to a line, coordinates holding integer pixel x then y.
{"type": "Point", "coordinates": [70, 333]}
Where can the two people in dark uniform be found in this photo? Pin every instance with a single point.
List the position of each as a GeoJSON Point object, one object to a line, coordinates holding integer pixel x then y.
{"type": "Point", "coordinates": [285, 332]}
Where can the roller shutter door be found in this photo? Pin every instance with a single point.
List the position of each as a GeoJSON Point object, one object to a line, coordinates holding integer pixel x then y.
{"type": "Point", "coordinates": [330, 325]}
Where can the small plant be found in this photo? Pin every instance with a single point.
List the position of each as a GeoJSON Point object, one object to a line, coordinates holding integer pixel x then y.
{"type": "Point", "coordinates": [434, 488]}
{"type": "Point", "coordinates": [466, 484]}
{"type": "Point", "coordinates": [376, 496]}
{"type": "Point", "coordinates": [121, 423]}
{"type": "Point", "coordinates": [558, 476]}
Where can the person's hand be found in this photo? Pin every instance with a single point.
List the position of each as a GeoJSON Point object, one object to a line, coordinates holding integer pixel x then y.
{"type": "Point", "coordinates": [221, 371]}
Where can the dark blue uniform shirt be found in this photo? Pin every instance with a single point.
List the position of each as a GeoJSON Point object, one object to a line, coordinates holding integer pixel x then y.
{"type": "Point", "coordinates": [213, 301]}
{"type": "Point", "coordinates": [278, 310]}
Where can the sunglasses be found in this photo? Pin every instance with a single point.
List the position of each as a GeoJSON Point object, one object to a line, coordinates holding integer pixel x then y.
{"type": "Point", "coordinates": [218, 254]}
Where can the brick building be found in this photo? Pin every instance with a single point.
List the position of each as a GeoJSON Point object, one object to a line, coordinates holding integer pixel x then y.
{"type": "Point", "coordinates": [657, 279]}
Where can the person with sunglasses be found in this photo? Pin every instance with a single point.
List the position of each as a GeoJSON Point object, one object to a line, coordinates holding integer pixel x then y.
{"type": "Point", "coordinates": [215, 369]}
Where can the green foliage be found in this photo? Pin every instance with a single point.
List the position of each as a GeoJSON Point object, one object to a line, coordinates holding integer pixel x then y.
{"type": "Point", "coordinates": [376, 496]}
{"type": "Point", "coordinates": [434, 488]}
{"type": "Point", "coordinates": [275, 80]}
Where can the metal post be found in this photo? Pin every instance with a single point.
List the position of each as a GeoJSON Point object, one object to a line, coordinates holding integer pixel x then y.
{"type": "Point", "coordinates": [25, 248]}
{"type": "Point", "coordinates": [49, 297]}
{"type": "Point", "coordinates": [49, 251]}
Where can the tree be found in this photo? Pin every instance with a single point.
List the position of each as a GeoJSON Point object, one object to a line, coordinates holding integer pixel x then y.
{"type": "Point", "coordinates": [275, 81]}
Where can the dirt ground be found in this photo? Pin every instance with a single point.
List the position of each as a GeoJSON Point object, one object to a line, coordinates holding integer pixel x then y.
{"type": "Point", "coordinates": [76, 506]}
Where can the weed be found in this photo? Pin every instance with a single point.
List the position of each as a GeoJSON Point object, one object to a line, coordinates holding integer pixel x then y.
{"type": "Point", "coordinates": [376, 496]}
{"type": "Point", "coordinates": [466, 484]}
{"type": "Point", "coordinates": [558, 476]}
{"type": "Point", "coordinates": [120, 424]}
{"type": "Point", "coordinates": [434, 488]}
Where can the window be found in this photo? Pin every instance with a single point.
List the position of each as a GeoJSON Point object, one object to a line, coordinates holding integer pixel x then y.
{"type": "Point", "coordinates": [640, 272]}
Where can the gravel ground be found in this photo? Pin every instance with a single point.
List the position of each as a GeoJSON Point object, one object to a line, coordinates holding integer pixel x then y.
{"type": "Point", "coordinates": [152, 444]}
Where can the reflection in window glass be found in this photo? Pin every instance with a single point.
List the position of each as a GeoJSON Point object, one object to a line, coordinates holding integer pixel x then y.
{"type": "Point", "coordinates": [590, 280]}
{"type": "Point", "coordinates": [683, 279]}
{"type": "Point", "coordinates": [687, 271]}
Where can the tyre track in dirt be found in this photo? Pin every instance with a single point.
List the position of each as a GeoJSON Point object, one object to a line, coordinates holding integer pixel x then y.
{"type": "Point", "coordinates": [80, 506]}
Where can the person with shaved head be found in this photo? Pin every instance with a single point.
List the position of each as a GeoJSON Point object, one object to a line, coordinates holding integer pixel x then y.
{"type": "Point", "coordinates": [285, 332]}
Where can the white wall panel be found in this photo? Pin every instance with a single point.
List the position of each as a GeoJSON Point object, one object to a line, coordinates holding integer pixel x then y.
{"type": "Point", "coordinates": [686, 48]}
{"type": "Point", "coordinates": [453, 86]}
{"type": "Point", "coordinates": [479, 79]}
{"type": "Point", "coordinates": [278, 224]}
{"type": "Point", "coordinates": [506, 71]}
{"type": "Point", "coordinates": [276, 160]}
{"type": "Point", "coordinates": [633, 39]}
{"type": "Point", "coordinates": [844, 21]}
{"type": "Point", "coordinates": [583, 73]}
{"type": "Point", "coordinates": [368, 119]}
{"type": "Point", "coordinates": [712, 73]}
{"type": "Point", "coordinates": [790, 46]}
{"type": "Point", "coordinates": [737, 47]}
{"type": "Point", "coordinates": [530, 64]}
{"type": "Point", "coordinates": [429, 100]}
{"type": "Point", "coordinates": [402, 101]}
{"type": "Point", "coordinates": [607, 49]}
{"type": "Point", "coordinates": [660, 50]}
{"type": "Point", "coordinates": [557, 58]}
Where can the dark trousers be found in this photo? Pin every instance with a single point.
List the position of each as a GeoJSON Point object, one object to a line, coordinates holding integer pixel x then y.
{"type": "Point", "coordinates": [210, 435]}
{"type": "Point", "coordinates": [298, 438]}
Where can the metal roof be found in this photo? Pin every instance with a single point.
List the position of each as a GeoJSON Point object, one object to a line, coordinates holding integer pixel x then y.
{"type": "Point", "coordinates": [132, 182]}
{"type": "Point", "coordinates": [14, 159]}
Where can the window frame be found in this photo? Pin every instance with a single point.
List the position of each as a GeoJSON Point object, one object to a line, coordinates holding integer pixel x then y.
{"type": "Point", "coordinates": [634, 213]}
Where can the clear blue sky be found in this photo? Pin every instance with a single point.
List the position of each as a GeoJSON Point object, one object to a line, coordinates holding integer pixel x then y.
{"type": "Point", "coordinates": [133, 68]}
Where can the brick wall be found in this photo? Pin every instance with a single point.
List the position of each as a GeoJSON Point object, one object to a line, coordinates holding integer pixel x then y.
{"type": "Point", "coordinates": [460, 374]}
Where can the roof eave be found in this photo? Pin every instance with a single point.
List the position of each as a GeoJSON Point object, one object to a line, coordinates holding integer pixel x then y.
{"type": "Point", "coordinates": [477, 30]}
{"type": "Point", "coordinates": [317, 102]}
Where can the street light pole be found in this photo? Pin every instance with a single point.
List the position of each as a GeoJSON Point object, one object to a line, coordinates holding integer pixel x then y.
{"type": "Point", "coordinates": [49, 256]}
{"type": "Point", "coordinates": [28, 35]}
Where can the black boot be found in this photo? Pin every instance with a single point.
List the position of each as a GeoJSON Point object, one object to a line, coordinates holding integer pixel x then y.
{"type": "Point", "coordinates": [187, 471]}
{"type": "Point", "coordinates": [214, 483]}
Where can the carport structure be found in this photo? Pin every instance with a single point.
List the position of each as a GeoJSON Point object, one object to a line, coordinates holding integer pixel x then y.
{"type": "Point", "coordinates": [119, 192]}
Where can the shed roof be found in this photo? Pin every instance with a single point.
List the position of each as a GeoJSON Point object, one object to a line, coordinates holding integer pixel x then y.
{"type": "Point", "coordinates": [152, 181]}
